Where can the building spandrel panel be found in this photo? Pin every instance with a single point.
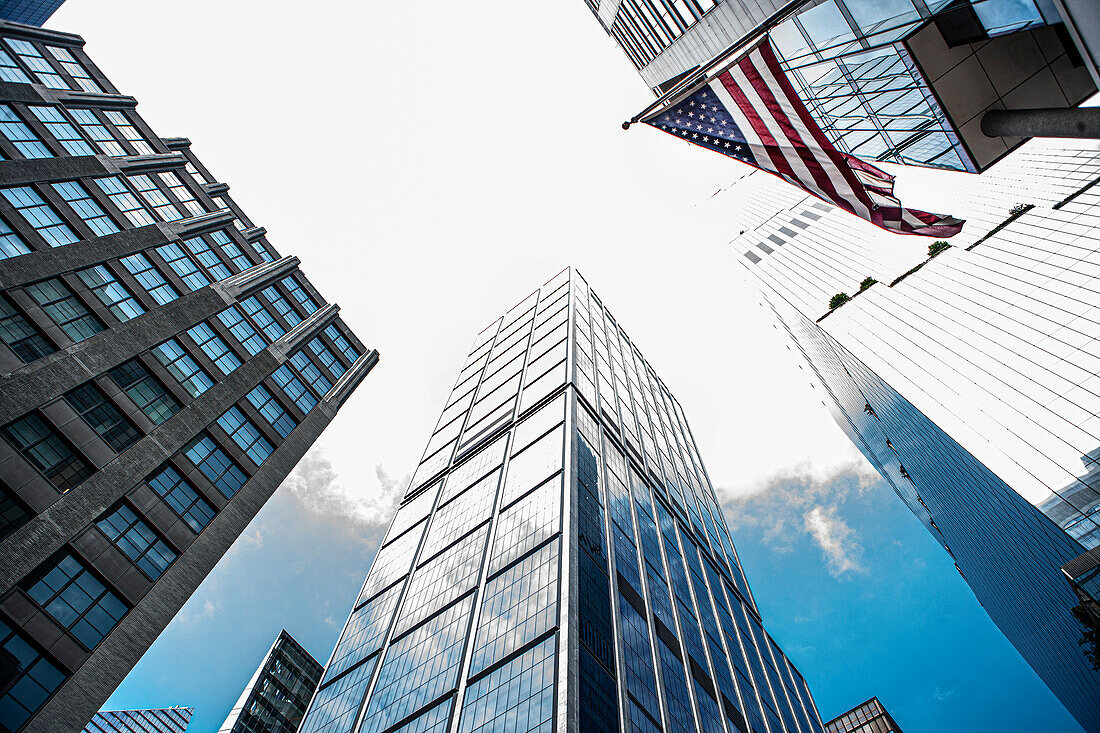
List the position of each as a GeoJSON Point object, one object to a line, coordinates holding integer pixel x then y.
{"type": "Point", "coordinates": [965, 374]}
{"type": "Point", "coordinates": [557, 568]}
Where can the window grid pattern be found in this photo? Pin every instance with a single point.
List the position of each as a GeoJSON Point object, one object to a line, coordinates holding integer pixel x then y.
{"type": "Point", "coordinates": [195, 511]}
{"type": "Point", "coordinates": [29, 54]}
{"type": "Point", "coordinates": [10, 71]}
{"type": "Point", "coordinates": [20, 335]}
{"type": "Point", "coordinates": [218, 468]}
{"type": "Point", "coordinates": [186, 269]}
{"type": "Point", "coordinates": [62, 130]}
{"type": "Point", "coordinates": [111, 293]}
{"type": "Point", "coordinates": [78, 601]}
{"type": "Point", "coordinates": [214, 347]}
{"type": "Point", "coordinates": [182, 367]}
{"type": "Point", "coordinates": [65, 309]}
{"type": "Point", "coordinates": [32, 677]}
{"type": "Point", "coordinates": [125, 201]}
{"type": "Point", "coordinates": [156, 199]}
{"type": "Point", "coordinates": [44, 449]}
{"type": "Point", "coordinates": [75, 69]}
{"type": "Point", "coordinates": [246, 435]}
{"type": "Point", "coordinates": [137, 541]}
{"type": "Point", "coordinates": [99, 134]}
{"type": "Point", "coordinates": [183, 194]}
{"type": "Point", "coordinates": [364, 632]}
{"type": "Point", "coordinates": [207, 258]}
{"type": "Point", "coordinates": [515, 698]}
{"type": "Point", "coordinates": [275, 414]}
{"type": "Point", "coordinates": [86, 207]}
{"type": "Point", "coordinates": [40, 215]}
{"type": "Point", "coordinates": [129, 132]}
{"type": "Point", "coordinates": [20, 136]}
{"type": "Point", "coordinates": [150, 396]}
{"type": "Point", "coordinates": [442, 579]}
{"type": "Point", "coordinates": [95, 409]}
{"type": "Point", "coordinates": [11, 244]}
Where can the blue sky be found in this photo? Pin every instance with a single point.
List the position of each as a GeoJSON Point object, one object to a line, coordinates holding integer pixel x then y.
{"type": "Point", "coordinates": [849, 583]}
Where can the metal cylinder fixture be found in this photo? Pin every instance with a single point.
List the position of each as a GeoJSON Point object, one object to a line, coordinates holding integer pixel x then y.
{"type": "Point", "coordinates": [1080, 122]}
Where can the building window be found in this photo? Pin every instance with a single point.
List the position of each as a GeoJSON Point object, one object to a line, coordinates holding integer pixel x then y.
{"type": "Point", "coordinates": [246, 435]}
{"type": "Point", "coordinates": [156, 198]}
{"type": "Point", "coordinates": [195, 511]}
{"type": "Point", "coordinates": [231, 250]}
{"type": "Point", "coordinates": [12, 514]}
{"type": "Point", "coordinates": [281, 305]}
{"type": "Point", "coordinates": [275, 414]}
{"type": "Point", "coordinates": [44, 449]}
{"type": "Point", "coordinates": [184, 267]}
{"type": "Point", "coordinates": [207, 258]}
{"type": "Point", "coordinates": [37, 63]}
{"type": "Point", "coordinates": [78, 601]}
{"type": "Point", "coordinates": [107, 143]}
{"type": "Point", "coordinates": [326, 357]}
{"type": "Point", "coordinates": [20, 335]}
{"type": "Point", "coordinates": [111, 293]}
{"type": "Point", "coordinates": [75, 69]}
{"type": "Point", "coordinates": [60, 128]}
{"type": "Point", "coordinates": [102, 416]}
{"type": "Point", "coordinates": [182, 367]}
{"type": "Point", "coordinates": [262, 318]}
{"type": "Point", "coordinates": [293, 389]}
{"type": "Point", "coordinates": [147, 393]}
{"type": "Point", "coordinates": [11, 244]}
{"type": "Point", "coordinates": [10, 71]}
{"type": "Point", "coordinates": [125, 201]}
{"type": "Point", "coordinates": [138, 541]}
{"type": "Point", "coordinates": [65, 309]}
{"type": "Point", "coordinates": [242, 330]}
{"type": "Point", "coordinates": [40, 215]}
{"type": "Point", "coordinates": [86, 208]}
{"type": "Point", "coordinates": [218, 468]}
{"type": "Point", "coordinates": [29, 679]}
{"type": "Point", "coordinates": [124, 126]}
{"type": "Point", "coordinates": [214, 347]}
{"type": "Point", "coordinates": [345, 347]}
{"type": "Point", "coordinates": [18, 134]}
{"type": "Point", "coordinates": [311, 374]}
{"type": "Point", "coordinates": [299, 294]}
{"type": "Point", "coordinates": [182, 193]}
{"type": "Point", "coordinates": [150, 278]}
{"type": "Point", "coordinates": [195, 173]}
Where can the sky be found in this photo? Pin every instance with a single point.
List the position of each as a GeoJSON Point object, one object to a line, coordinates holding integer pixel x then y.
{"type": "Point", "coordinates": [431, 164]}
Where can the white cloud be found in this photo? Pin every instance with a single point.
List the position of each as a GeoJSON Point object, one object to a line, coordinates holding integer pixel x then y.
{"type": "Point", "coordinates": [315, 483]}
{"type": "Point", "coordinates": [835, 538]}
{"type": "Point", "coordinates": [205, 612]}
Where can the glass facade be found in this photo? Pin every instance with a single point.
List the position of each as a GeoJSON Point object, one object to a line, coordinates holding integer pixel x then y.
{"type": "Point", "coordinates": [30, 12]}
{"type": "Point", "coordinates": [853, 63]}
{"type": "Point", "coordinates": [560, 560]}
{"type": "Point", "coordinates": [161, 720]}
{"type": "Point", "coordinates": [870, 717]}
{"type": "Point", "coordinates": [966, 375]}
{"type": "Point", "coordinates": [205, 365]}
{"type": "Point", "coordinates": [278, 693]}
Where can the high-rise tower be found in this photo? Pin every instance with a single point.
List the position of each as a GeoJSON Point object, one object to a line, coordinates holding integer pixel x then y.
{"type": "Point", "coordinates": [276, 697]}
{"type": "Point", "coordinates": [162, 369]}
{"type": "Point", "coordinates": [560, 561]}
{"type": "Point", "coordinates": [967, 375]}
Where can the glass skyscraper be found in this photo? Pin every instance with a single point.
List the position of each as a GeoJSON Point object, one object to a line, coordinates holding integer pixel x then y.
{"type": "Point", "coordinates": [160, 720]}
{"type": "Point", "coordinates": [967, 375]}
{"type": "Point", "coordinates": [162, 369]}
{"type": "Point", "coordinates": [277, 695]}
{"type": "Point", "coordinates": [560, 561]}
{"type": "Point", "coordinates": [901, 81]}
{"type": "Point", "coordinates": [30, 12]}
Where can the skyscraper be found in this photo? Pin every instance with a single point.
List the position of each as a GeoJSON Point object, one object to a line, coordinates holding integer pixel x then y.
{"type": "Point", "coordinates": [560, 560]}
{"type": "Point", "coordinates": [29, 12]}
{"type": "Point", "coordinates": [903, 81]}
{"type": "Point", "coordinates": [967, 375]}
{"type": "Point", "coordinates": [870, 717]}
{"type": "Point", "coordinates": [277, 695]}
{"type": "Point", "coordinates": [160, 720]}
{"type": "Point", "coordinates": [162, 369]}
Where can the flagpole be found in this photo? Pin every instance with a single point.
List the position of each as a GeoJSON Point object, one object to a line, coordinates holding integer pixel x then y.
{"type": "Point", "coordinates": [684, 87]}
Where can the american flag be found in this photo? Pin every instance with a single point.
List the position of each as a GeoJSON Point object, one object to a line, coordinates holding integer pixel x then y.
{"type": "Point", "coordinates": [751, 112]}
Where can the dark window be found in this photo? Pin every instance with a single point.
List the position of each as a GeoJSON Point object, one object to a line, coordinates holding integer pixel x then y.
{"type": "Point", "coordinates": [45, 450]}
{"type": "Point", "coordinates": [78, 601]}
{"type": "Point", "coordinates": [12, 515]}
{"type": "Point", "coordinates": [100, 413]}
{"type": "Point", "coordinates": [65, 309]}
{"type": "Point", "coordinates": [218, 468]}
{"type": "Point", "coordinates": [185, 501]}
{"type": "Point", "coordinates": [27, 679]}
{"type": "Point", "coordinates": [21, 336]}
{"type": "Point", "coordinates": [182, 367]}
{"type": "Point", "coordinates": [142, 387]}
{"type": "Point", "coordinates": [138, 541]}
{"type": "Point", "coordinates": [272, 411]}
{"type": "Point", "coordinates": [246, 435]}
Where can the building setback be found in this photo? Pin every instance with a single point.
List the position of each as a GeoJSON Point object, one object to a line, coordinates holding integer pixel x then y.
{"type": "Point", "coordinates": [277, 695]}
{"type": "Point", "coordinates": [560, 561]}
{"type": "Point", "coordinates": [161, 720]}
{"type": "Point", "coordinates": [162, 369]}
{"type": "Point", "coordinates": [870, 717]}
{"type": "Point", "coordinates": [968, 376]}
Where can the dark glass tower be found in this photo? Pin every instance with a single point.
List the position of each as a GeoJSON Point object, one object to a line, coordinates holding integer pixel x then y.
{"type": "Point", "coordinates": [160, 720]}
{"type": "Point", "coordinates": [560, 561]}
{"type": "Point", "coordinates": [162, 369]}
{"type": "Point", "coordinates": [31, 12]}
{"type": "Point", "coordinates": [278, 693]}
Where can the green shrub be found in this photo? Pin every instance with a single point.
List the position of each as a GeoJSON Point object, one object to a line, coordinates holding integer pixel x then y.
{"type": "Point", "coordinates": [867, 282]}
{"type": "Point", "coordinates": [838, 300]}
{"type": "Point", "coordinates": [936, 247]}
